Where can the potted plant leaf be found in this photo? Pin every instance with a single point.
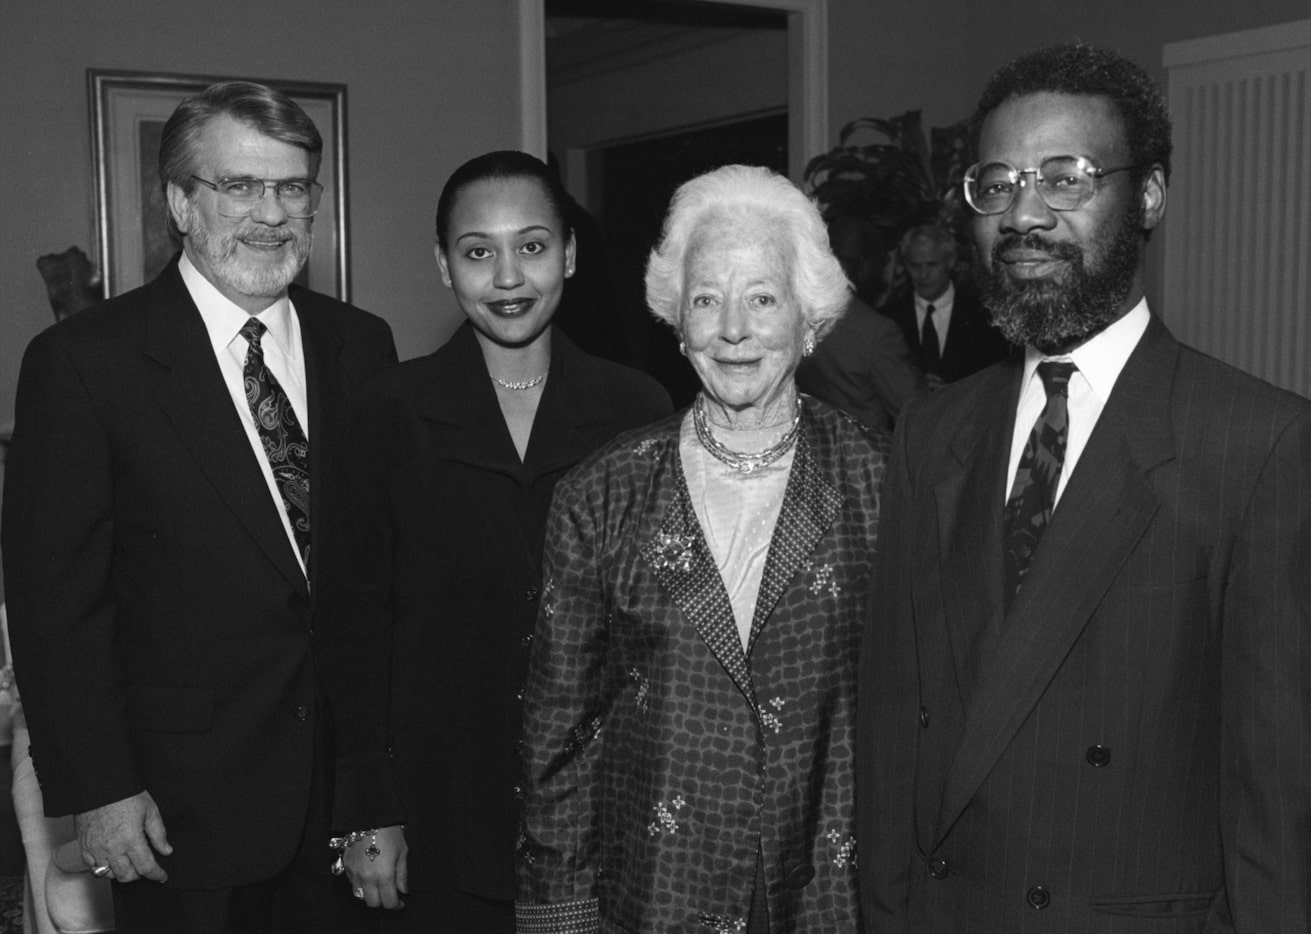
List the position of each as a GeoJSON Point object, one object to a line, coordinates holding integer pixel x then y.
{"type": "Point", "coordinates": [884, 177]}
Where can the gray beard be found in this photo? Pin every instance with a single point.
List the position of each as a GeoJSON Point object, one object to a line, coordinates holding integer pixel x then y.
{"type": "Point", "coordinates": [245, 279]}
{"type": "Point", "coordinates": [1059, 313]}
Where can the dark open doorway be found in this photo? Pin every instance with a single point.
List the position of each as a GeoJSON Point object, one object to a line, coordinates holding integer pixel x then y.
{"type": "Point", "coordinates": [638, 104]}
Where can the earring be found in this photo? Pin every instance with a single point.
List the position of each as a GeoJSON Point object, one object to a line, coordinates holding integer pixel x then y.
{"type": "Point", "coordinates": [808, 346]}
{"type": "Point", "coordinates": [682, 348]}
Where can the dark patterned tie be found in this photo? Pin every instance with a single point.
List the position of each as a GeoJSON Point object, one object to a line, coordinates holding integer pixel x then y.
{"type": "Point", "coordinates": [284, 442]}
{"type": "Point", "coordinates": [1033, 497]}
{"type": "Point", "coordinates": [930, 352]}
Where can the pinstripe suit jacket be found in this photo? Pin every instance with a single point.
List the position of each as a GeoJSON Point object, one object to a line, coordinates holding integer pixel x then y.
{"type": "Point", "coordinates": [1129, 749]}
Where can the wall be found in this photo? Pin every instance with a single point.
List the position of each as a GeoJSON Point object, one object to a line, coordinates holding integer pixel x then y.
{"type": "Point", "coordinates": [895, 55]}
{"type": "Point", "coordinates": [425, 90]}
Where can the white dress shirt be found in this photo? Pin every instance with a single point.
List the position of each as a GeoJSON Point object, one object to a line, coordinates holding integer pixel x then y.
{"type": "Point", "coordinates": [283, 355]}
{"type": "Point", "coordinates": [942, 306]}
{"type": "Point", "coordinates": [1099, 361]}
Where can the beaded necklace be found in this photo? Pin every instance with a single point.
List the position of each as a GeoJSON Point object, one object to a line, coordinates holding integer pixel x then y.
{"type": "Point", "coordinates": [745, 463]}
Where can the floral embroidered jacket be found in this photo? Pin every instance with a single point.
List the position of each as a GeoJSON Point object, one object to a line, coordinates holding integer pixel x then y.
{"type": "Point", "coordinates": [660, 757]}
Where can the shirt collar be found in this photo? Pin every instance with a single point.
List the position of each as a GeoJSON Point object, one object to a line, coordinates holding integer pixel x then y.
{"type": "Point", "coordinates": [1100, 358]}
{"type": "Point", "coordinates": [224, 319]}
{"type": "Point", "coordinates": [944, 300]}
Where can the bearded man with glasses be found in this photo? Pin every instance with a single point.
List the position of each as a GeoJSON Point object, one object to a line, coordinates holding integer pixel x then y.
{"type": "Point", "coordinates": [1086, 677]}
{"type": "Point", "coordinates": [162, 504]}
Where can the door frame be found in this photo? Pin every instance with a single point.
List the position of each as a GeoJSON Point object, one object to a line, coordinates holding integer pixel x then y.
{"type": "Point", "coordinates": [807, 76]}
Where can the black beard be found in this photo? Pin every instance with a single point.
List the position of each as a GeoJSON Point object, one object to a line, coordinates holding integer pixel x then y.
{"type": "Point", "coordinates": [1061, 312]}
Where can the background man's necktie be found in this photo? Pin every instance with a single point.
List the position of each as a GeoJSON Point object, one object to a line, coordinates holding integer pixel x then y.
{"type": "Point", "coordinates": [930, 352]}
{"type": "Point", "coordinates": [1029, 508]}
{"type": "Point", "coordinates": [284, 442]}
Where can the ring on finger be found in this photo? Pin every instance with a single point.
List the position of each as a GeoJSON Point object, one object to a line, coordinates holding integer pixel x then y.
{"type": "Point", "coordinates": [358, 891]}
{"type": "Point", "coordinates": [101, 872]}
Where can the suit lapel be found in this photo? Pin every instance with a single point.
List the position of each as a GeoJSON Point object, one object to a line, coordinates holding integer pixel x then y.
{"type": "Point", "coordinates": [969, 517]}
{"type": "Point", "coordinates": [681, 561]}
{"type": "Point", "coordinates": [810, 505]}
{"type": "Point", "coordinates": [326, 382]}
{"type": "Point", "coordinates": [1103, 513]}
{"type": "Point", "coordinates": [461, 400]}
{"type": "Point", "coordinates": [196, 401]}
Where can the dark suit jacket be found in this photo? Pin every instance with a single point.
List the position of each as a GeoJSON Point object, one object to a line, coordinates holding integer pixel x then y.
{"type": "Point", "coordinates": [660, 756]}
{"type": "Point", "coordinates": [158, 614]}
{"type": "Point", "coordinates": [432, 590]}
{"type": "Point", "coordinates": [972, 342]}
{"type": "Point", "coordinates": [1129, 749]}
{"type": "Point", "coordinates": [863, 367]}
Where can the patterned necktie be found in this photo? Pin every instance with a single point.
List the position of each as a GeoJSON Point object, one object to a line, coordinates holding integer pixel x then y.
{"type": "Point", "coordinates": [284, 442]}
{"type": "Point", "coordinates": [930, 352]}
{"type": "Point", "coordinates": [1029, 509]}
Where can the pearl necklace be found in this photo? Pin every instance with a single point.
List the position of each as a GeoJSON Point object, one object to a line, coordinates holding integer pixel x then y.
{"type": "Point", "coordinates": [745, 463]}
{"type": "Point", "coordinates": [520, 385]}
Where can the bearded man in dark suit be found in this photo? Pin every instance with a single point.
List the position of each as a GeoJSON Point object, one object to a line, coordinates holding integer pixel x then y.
{"type": "Point", "coordinates": [161, 505]}
{"type": "Point", "coordinates": [1086, 689]}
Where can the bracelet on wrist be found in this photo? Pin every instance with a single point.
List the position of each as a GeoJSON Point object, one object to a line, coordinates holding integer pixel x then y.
{"type": "Point", "coordinates": [344, 843]}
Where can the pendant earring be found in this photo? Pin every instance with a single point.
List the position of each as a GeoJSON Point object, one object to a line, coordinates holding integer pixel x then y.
{"type": "Point", "coordinates": [682, 348]}
{"type": "Point", "coordinates": [808, 346]}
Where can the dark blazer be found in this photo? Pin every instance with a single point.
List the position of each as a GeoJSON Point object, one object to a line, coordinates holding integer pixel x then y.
{"type": "Point", "coordinates": [660, 756]}
{"type": "Point", "coordinates": [1128, 749]}
{"type": "Point", "coordinates": [432, 590]}
{"type": "Point", "coordinates": [864, 367]}
{"type": "Point", "coordinates": [158, 614]}
{"type": "Point", "coordinates": [972, 342]}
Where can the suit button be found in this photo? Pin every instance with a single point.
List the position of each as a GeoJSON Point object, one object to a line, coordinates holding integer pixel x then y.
{"type": "Point", "coordinates": [939, 868]}
{"type": "Point", "coordinates": [1098, 756]}
{"type": "Point", "coordinates": [302, 713]}
{"type": "Point", "coordinates": [924, 717]}
{"type": "Point", "coordinates": [531, 594]}
{"type": "Point", "coordinates": [799, 876]}
{"type": "Point", "coordinates": [1038, 897]}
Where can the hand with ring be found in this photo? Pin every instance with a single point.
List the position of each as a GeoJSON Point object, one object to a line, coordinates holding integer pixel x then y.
{"type": "Point", "coordinates": [376, 867]}
{"type": "Point", "coordinates": [120, 839]}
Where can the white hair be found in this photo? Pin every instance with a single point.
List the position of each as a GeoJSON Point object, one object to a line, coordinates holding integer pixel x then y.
{"type": "Point", "coordinates": [751, 193]}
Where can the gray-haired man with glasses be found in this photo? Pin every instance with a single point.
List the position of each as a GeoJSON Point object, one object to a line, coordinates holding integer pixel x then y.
{"type": "Point", "coordinates": [162, 501]}
{"type": "Point", "coordinates": [1086, 683]}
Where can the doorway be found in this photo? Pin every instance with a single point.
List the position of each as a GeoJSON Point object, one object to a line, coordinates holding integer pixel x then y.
{"type": "Point", "coordinates": [636, 103]}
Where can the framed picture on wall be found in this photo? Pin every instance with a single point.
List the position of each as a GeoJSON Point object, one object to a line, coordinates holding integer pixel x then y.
{"type": "Point", "coordinates": [128, 112]}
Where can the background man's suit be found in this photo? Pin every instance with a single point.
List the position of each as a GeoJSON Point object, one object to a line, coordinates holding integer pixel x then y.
{"type": "Point", "coordinates": [160, 619]}
{"type": "Point", "coordinates": [1128, 749]}
{"type": "Point", "coordinates": [972, 342]}
{"type": "Point", "coordinates": [864, 368]}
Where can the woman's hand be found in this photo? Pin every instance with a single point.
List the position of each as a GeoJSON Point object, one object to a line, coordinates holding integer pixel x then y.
{"type": "Point", "coordinates": [384, 878]}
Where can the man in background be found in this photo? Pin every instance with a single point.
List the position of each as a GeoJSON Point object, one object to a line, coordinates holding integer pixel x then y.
{"type": "Point", "coordinates": [863, 365]}
{"type": "Point", "coordinates": [946, 327]}
{"type": "Point", "coordinates": [161, 508]}
{"type": "Point", "coordinates": [1086, 688]}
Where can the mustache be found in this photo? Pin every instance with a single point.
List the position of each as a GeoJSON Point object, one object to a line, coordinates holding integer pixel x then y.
{"type": "Point", "coordinates": [252, 237]}
{"type": "Point", "coordinates": [1058, 249]}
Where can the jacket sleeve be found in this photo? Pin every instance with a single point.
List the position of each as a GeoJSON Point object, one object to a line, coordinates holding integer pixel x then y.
{"type": "Point", "coordinates": [1266, 697]}
{"type": "Point", "coordinates": [356, 618]}
{"type": "Point", "coordinates": [58, 543]}
{"type": "Point", "coordinates": [564, 713]}
{"type": "Point", "coordinates": [887, 711]}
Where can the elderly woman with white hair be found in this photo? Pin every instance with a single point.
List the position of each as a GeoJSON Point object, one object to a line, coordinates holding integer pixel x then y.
{"type": "Point", "coordinates": [689, 712]}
